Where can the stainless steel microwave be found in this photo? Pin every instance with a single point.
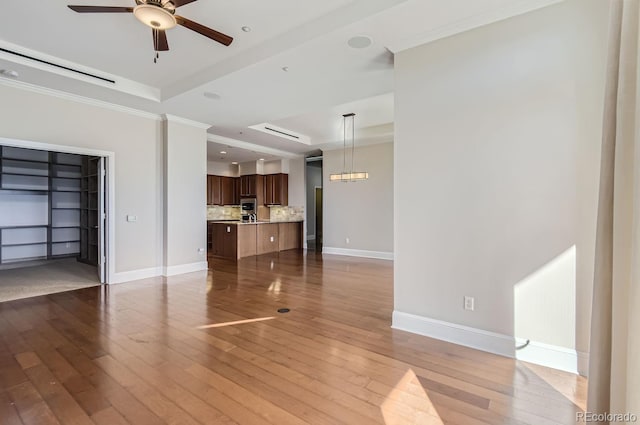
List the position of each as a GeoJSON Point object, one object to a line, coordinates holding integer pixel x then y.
{"type": "Point", "coordinates": [248, 205]}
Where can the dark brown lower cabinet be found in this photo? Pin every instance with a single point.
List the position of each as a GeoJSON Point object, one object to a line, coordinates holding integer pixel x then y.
{"type": "Point", "coordinates": [290, 236]}
{"type": "Point", "coordinates": [235, 241]}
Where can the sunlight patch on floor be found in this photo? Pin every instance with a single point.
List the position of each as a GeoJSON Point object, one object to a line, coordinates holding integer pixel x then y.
{"type": "Point", "coordinates": [408, 402]}
{"type": "Point", "coordinates": [236, 322]}
{"type": "Point", "coordinates": [572, 387]}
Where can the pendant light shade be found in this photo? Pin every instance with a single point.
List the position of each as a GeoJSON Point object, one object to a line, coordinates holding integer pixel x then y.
{"type": "Point", "coordinates": [348, 132]}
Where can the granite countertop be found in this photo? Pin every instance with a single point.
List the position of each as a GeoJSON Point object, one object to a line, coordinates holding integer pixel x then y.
{"type": "Point", "coordinates": [255, 222]}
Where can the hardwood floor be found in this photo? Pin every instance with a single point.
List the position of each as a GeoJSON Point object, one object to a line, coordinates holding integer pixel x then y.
{"type": "Point", "coordinates": [188, 350]}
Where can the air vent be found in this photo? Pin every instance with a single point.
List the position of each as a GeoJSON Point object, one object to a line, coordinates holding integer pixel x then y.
{"type": "Point", "coordinates": [282, 132]}
{"type": "Point", "coordinates": [22, 55]}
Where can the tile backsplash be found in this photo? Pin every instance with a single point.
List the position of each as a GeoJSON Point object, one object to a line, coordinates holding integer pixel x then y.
{"type": "Point", "coordinates": [215, 212]}
{"type": "Point", "coordinates": [277, 214]}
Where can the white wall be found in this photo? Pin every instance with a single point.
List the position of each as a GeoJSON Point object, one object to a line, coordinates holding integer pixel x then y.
{"type": "Point", "coordinates": [497, 147]}
{"type": "Point", "coordinates": [185, 197]}
{"type": "Point", "coordinates": [137, 143]}
{"type": "Point", "coordinates": [361, 211]}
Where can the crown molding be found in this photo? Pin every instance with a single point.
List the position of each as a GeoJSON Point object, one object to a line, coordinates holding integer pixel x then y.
{"type": "Point", "coordinates": [513, 9]}
{"type": "Point", "coordinates": [186, 121]}
{"type": "Point", "coordinates": [77, 98]}
{"type": "Point", "coordinates": [251, 146]}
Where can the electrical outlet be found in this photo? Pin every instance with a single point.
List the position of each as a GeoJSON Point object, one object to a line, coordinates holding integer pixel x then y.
{"type": "Point", "coordinates": [272, 238]}
{"type": "Point", "coordinates": [201, 251]}
{"type": "Point", "coordinates": [347, 240]}
{"type": "Point", "coordinates": [469, 303]}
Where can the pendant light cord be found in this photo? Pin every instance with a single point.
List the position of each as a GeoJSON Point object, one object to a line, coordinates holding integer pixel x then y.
{"type": "Point", "coordinates": [353, 142]}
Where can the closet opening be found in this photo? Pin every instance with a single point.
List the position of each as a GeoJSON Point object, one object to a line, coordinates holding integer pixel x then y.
{"type": "Point", "coordinates": [52, 221]}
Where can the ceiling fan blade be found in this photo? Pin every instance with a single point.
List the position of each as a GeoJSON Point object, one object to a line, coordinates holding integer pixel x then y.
{"type": "Point", "coordinates": [178, 3]}
{"type": "Point", "coordinates": [160, 40]}
{"type": "Point", "coordinates": [207, 32]}
{"type": "Point", "coordinates": [100, 9]}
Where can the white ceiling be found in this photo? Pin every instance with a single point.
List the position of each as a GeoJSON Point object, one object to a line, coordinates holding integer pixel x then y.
{"type": "Point", "coordinates": [326, 78]}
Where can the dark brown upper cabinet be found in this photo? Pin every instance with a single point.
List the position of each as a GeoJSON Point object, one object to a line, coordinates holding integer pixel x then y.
{"type": "Point", "coordinates": [221, 190]}
{"type": "Point", "coordinates": [276, 189]}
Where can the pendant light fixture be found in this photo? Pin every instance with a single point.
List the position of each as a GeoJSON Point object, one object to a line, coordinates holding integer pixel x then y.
{"type": "Point", "coordinates": [348, 176]}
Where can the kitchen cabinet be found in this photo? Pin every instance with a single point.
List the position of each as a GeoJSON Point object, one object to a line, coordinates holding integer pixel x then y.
{"type": "Point", "coordinates": [222, 190]}
{"type": "Point", "coordinates": [223, 240]}
{"type": "Point", "coordinates": [267, 239]}
{"type": "Point", "coordinates": [289, 236]}
{"type": "Point", "coordinates": [214, 190]}
{"type": "Point", "coordinates": [246, 240]}
{"type": "Point", "coordinates": [228, 191]}
{"type": "Point", "coordinates": [235, 240]}
{"type": "Point", "coordinates": [276, 189]}
{"type": "Point", "coordinates": [252, 186]}
{"type": "Point", "coordinates": [248, 186]}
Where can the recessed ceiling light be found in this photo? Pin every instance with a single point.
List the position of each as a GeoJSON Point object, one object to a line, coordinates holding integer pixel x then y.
{"type": "Point", "coordinates": [234, 163]}
{"type": "Point", "coordinates": [246, 29]}
{"type": "Point", "coordinates": [9, 73]}
{"type": "Point", "coordinates": [285, 68]}
{"type": "Point", "coordinates": [261, 159]}
{"type": "Point", "coordinates": [359, 42]}
{"type": "Point", "coordinates": [210, 95]}
{"type": "Point", "coordinates": [223, 152]}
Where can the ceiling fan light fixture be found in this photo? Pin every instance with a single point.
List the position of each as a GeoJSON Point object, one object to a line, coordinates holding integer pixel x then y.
{"type": "Point", "coordinates": [154, 16]}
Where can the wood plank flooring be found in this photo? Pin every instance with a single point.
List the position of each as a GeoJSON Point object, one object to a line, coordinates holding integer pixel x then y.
{"type": "Point", "coordinates": [188, 350]}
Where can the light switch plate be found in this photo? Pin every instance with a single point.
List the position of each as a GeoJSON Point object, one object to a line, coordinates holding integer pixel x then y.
{"type": "Point", "coordinates": [132, 218]}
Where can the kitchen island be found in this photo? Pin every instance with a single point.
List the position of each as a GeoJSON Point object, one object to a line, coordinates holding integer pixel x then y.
{"type": "Point", "coordinates": [236, 239]}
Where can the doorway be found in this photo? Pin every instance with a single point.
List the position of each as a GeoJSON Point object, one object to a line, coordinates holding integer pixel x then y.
{"type": "Point", "coordinates": [314, 203]}
{"type": "Point", "coordinates": [319, 221]}
{"type": "Point", "coordinates": [52, 221]}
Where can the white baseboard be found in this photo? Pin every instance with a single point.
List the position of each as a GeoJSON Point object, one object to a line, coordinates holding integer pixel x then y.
{"type": "Point", "coordinates": [551, 356]}
{"type": "Point", "coordinates": [184, 268]}
{"type": "Point", "coordinates": [358, 253]}
{"type": "Point", "coordinates": [458, 334]}
{"type": "Point", "coordinates": [122, 277]}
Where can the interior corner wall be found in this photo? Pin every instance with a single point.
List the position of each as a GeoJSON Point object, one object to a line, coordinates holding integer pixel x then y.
{"type": "Point", "coordinates": [296, 182]}
{"type": "Point", "coordinates": [137, 143]}
{"type": "Point", "coordinates": [185, 200]}
{"type": "Point", "coordinates": [497, 156]}
{"type": "Point", "coordinates": [360, 211]}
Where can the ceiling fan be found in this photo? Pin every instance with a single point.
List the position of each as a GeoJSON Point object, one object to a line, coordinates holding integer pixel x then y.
{"type": "Point", "coordinates": [159, 15]}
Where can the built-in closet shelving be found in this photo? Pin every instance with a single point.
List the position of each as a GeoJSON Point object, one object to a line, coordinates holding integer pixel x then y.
{"type": "Point", "coordinates": [89, 210]}
{"type": "Point", "coordinates": [41, 208]}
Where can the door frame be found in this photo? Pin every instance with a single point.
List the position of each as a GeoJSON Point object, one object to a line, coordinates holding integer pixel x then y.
{"type": "Point", "coordinates": [110, 230]}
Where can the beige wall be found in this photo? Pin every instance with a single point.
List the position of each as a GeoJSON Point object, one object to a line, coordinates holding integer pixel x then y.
{"type": "Point", "coordinates": [497, 147]}
{"type": "Point", "coordinates": [185, 194]}
{"type": "Point", "coordinates": [361, 211]}
{"type": "Point", "coordinates": [296, 182]}
{"type": "Point", "coordinates": [137, 144]}
{"type": "Point", "coordinates": [222, 169]}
